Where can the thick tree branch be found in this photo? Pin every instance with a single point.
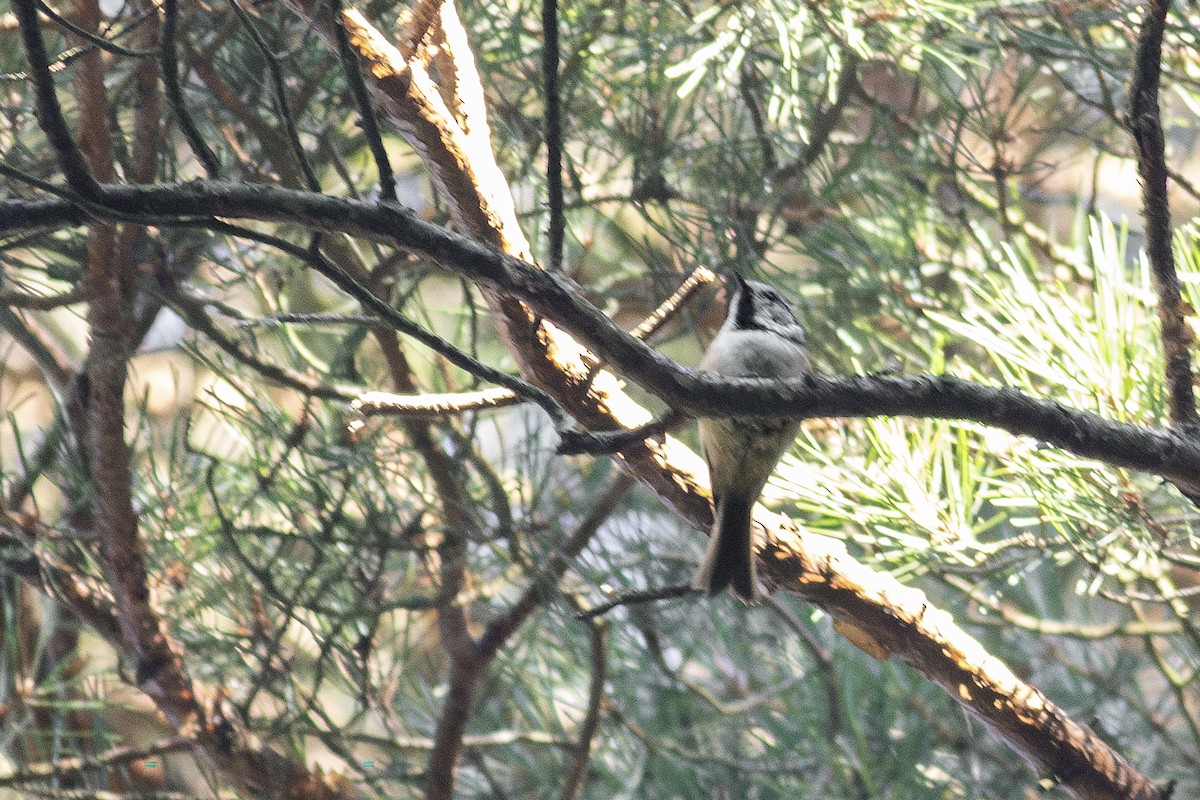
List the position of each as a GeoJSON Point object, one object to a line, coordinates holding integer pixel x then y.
{"type": "Point", "coordinates": [1156, 451]}
{"type": "Point", "coordinates": [160, 669]}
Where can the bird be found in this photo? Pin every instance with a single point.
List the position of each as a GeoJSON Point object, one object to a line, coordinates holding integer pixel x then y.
{"type": "Point", "coordinates": [760, 338]}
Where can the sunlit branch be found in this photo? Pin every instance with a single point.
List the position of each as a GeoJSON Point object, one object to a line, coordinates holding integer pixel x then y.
{"type": "Point", "coordinates": [371, 404]}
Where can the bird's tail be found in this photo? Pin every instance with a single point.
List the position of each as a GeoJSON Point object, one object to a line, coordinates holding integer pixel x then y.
{"type": "Point", "coordinates": [730, 557]}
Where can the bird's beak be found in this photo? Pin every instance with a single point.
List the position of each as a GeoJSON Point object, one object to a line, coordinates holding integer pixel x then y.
{"type": "Point", "coordinates": [738, 280]}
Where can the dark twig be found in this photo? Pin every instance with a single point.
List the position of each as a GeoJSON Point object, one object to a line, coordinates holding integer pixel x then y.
{"type": "Point", "coordinates": [169, 61]}
{"type": "Point", "coordinates": [751, 90]}
{"type": "Point", "coordinates": [42, 302]}
{"type": "Point", "coordinates": [553, 134]}
{"type": "Point", "coordinates": [101, 42]}
{"type": "Point", "coordinates": [1145, 124]}
{"type": "Point", "coordinates": [366, 109]}
{"type": "Point", "coordinates": [98, 41]}
{"type": "Point", "coordinates": [55, 366]}
{"type": "Point", "coordinates": [577, 442]}
{"type": "Point", "coordinates": [639, 598]}
{"type": "Point", "coordinates": [824, 123]}
{"type": "Point", "coordinates": [279, 90]}
{"type": "Point", "coordinates": [49, 113]}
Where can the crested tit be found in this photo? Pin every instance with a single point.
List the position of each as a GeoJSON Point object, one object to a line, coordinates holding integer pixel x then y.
{"type": "Point", "coordinates": [760, 339]}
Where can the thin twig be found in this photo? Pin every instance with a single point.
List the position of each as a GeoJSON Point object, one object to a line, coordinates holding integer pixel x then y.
{"type": "Point", "coordinates": [169, 63]}
{"type": "Point", "coordinates": [306, 318]}
{"type": "Point", "coordinates": [98, 41]}
{"type": "Point", "coordinates": [366, 109]}
{"type": "Point", "coordinates": [1003, 615]}
{"type": "Point", "coordinates": [54, 365]}
{"type": "Point", "coordinates": [372, 404]}
{"type": "Point", "coordinates": [751, 90]}
{"type": "Point", "coordinates": [670, 306]}
{"type": "Point", "coordinates": [598, 638]}
{"type": "Point", "coordinates": [578, 442]}
{"type": "Point", "coordinates": [121, 754]}
{"type": "Point", "coordinates": [638, 598]}
{"type": "Point", "coordinates": [826, 120]}
{"type": "Point", "coordinates": [279, 91]}
{"type": "Point", "coordinates": [42, 302]}
{"type": "Point", "coordinates": [469, 660]}
{"type": "Point", "coordinates": [553, 134]}
{"type": "Point", "coordinates": [67, 57]}
{"type": "Point", "coordinates": [49, 113]}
